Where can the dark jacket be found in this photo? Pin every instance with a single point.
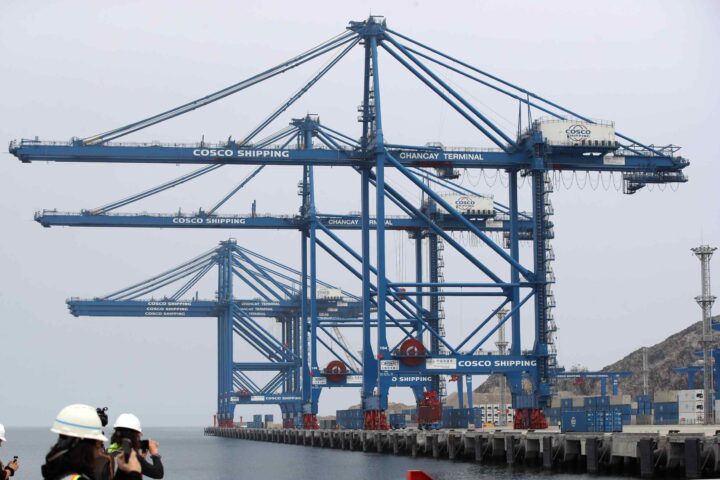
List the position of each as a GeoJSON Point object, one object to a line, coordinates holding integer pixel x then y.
{"type": "Point", "coordinates": [152, 470]}
{"type": "Point", "coordinates": [59, 470]}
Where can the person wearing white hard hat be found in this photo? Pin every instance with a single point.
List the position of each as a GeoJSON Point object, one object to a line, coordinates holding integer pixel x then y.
{"type": "Point", "coordinates": [128, 429]}
{"type": "Point", "coordinates": [79, 445]}
{"type": "Point", "coordinates": [8, 470]}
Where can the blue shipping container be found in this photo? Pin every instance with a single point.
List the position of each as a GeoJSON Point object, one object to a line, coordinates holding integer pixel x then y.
{"type": "Point", "coordinates": [670, 407]}
{"type": "Point", "coordinates": [574, 421]}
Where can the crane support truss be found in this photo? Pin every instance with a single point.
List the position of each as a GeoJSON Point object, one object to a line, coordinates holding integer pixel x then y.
{"type": "Point", "coordinates": [382, 304]}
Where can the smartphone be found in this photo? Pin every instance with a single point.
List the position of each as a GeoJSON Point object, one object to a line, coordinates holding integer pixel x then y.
{"type": "Point", "coordinates": [144, 444]}
{"type": "Point", "coordinates": [127, 448]}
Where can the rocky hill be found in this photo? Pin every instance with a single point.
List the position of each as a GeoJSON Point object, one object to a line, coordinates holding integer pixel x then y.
{"type": "Point", "coordinates": [677, 350]}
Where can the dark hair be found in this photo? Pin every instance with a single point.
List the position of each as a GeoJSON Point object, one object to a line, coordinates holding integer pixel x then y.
{"type": "Point", "coordinates": [121, 433]}
{"type": "Point", "coordinates": [70, 455]}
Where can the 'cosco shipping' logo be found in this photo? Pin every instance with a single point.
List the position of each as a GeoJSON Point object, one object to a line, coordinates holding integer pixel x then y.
{"type": "Point", "coordinates": [464, 202]}
{"type": "Point", "coordinates": [578, 132]}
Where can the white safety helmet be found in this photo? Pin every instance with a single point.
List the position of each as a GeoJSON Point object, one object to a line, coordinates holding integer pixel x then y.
{"type": "Point", "coordinates": [2, 432]}
{"type": "Point", "coordinates": [79, 421]}
{"type": "Point", "coordinates": [129, 421]}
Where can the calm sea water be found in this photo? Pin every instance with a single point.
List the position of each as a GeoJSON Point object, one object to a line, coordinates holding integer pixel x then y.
{"type": "Point", "coordinates": [188, 455]}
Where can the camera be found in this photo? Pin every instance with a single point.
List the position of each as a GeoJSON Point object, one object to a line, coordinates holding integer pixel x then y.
{"type": "Point", "coordinates": [144, 444]}
{"type": "Point", "coordinates": [102, 413]}
{"type": "Point", "coordinates": [127, 448]}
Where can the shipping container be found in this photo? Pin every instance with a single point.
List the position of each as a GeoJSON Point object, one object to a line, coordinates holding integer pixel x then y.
{"type": "Point", "coordinates": [690, 395]}
{"type": "Point", "coordinates": [669, 396]}
{"type": "Point", "coordinates": [397, 421]}
{"type": "Point", "coordinates": [574, 421]}
{"type": "Point", "coordinates": [662, 407]}
{"type": "Point", "coordinates": [619, 399]}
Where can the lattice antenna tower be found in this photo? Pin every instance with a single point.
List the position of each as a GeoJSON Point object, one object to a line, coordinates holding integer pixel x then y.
{"type": "Point", "coordinates": [706, 300]}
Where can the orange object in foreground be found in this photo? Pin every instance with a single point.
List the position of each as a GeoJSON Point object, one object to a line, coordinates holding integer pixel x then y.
{"type": "Point", "coordinates": [417, 475]}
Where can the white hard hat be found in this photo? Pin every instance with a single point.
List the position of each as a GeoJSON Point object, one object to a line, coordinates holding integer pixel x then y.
{"type": "Point", "coordinates": [129, 421]}
{"type": "Point", "coordinates": [2, 432]}
{"type": "Point", "coordinates": [79, 421]}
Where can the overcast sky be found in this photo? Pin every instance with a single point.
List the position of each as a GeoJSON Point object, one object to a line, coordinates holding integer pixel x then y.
{"type": "Point", "coordinates": [626, 276]}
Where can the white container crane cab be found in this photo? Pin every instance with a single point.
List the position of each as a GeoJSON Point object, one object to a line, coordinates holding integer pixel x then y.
{"type": "Point", "coordinates": [470, 204]}
{"type": "Point", "coordinates": [577, 132]}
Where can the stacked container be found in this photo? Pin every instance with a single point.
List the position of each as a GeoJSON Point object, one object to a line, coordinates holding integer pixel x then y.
{"type": "Point", "coordinates": [397, 420]}
{"type": "Point", "coordinates": [596, 414]}
{"type": "Point", "coordinates": [644, 405]}
{"type": "Point", "coordinates": [327, 423]}
{"type": "Point", "coordinates": [493, 413]}
{"type": "Point", "coordinates": [268, 421]}
{"type": "Point", "coordinates": [350, 419]}
{"type": "Point", "coordinates": [691, 407]}
{"type": "Point", "coordinates": [665, 408]}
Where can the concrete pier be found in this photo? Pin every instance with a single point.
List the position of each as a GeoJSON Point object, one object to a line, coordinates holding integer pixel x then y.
{"type": "Point", "coordinates": [645, 454]}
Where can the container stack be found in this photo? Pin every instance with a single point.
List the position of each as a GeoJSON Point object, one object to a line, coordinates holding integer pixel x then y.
{"type": "Point", "coordinates": [457, 417]}
{"type": "Point", "coordinates": [644, 405]}
{"type": "Point", "coordinates": [493, 413]}
{"type": "Point", "coordinates": [257, 422]}
{"type": "Point", "coordinates": [268, 420]}
{"type": "Point", "coordinates": [642, 409]}
{"type": "Point", "coordinates": [597, 414]}
{"type": "Point", "coordinates": [665, 408]}
{"type": "Point", "coordinates": [397, 421]}
{"type": "Point", "coordinates": [327, 423]}
{"type": "Point", "coordinates": [691, 407]}
{"type": "Point", "coordinates": [350, 419]}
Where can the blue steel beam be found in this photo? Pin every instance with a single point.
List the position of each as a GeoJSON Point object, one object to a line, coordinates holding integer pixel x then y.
{"type": "Point", "coordinates": [33, 150]}
{"type": "Point", "coordinates": [51, 218]}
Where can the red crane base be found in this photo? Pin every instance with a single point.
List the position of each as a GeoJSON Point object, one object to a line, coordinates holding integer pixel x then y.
{"type": "Point", "coordinates": [376, 420]}
{"type": "Point", "coordinates": [529, 418]}
{"type": "Point", "coordinates": [310, 422]}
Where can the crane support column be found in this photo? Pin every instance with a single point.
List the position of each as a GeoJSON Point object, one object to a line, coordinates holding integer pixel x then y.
{"type": "Point", "coordinates": [375, 409]}
{"type": "Point", "coordinates": [226, 408]}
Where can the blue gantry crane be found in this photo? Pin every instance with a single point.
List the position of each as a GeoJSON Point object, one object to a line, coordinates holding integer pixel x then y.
{"type": "Point", "coordinates": [277, 290]}
{"type": "Point", "coordinates": [562, 141]}
{"type": "Point", "coordinates": [613, 377]}
{"type": "Point", "coordinates": [693, 370]}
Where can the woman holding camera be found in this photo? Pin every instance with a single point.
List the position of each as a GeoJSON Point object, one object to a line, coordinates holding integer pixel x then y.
{"type": "Point", "coordinates": [80, 445]}
{"type": "Point", "coordinates": [128, 434]}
